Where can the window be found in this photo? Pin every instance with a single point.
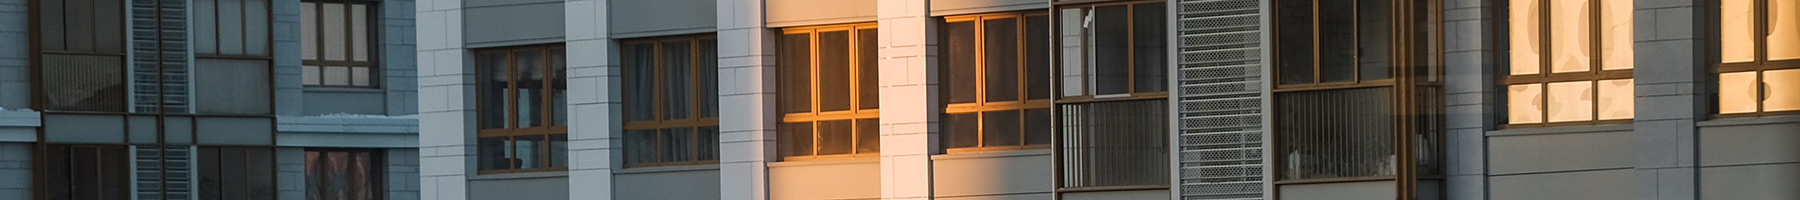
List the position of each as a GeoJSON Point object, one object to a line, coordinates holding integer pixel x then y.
{"type": "Point", "coordinates": [1575, 69]}
{"type": "Point", "coordinates": [82, 55]}
{"type": "Point", "coordinates": [87, 172]}
{"type": "Point", "coordinates": [671, 101]}
{"type": "Point", "coordinates": [336, 44]}
{"type": "Point", "coordinates": [996, 81]}
{"type": "Point", "coordinates": [1760, 55]}
{"type": "Point", "coordinates": [344, 174]}
{"type": "Point", "coordinates": [233, 53]}
{"type": "Point", "coordinates": [236, 172]}
{"type": "Point", "coordinates": [828, 100]}
{"type": "Point", "coordinates": [522, 109]}
{"type": "Point", "coordinates": [1112, 105]}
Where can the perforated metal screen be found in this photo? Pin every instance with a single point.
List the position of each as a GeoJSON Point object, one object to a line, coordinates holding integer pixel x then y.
{"type": "Point", "coordinates": [1221, 98]}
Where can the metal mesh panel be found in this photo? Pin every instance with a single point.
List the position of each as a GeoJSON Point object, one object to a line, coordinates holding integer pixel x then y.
{"type": "Point", "coordinates": [1221, 99]}
{"type": "Point", "coordinates": [163, 172]}
{"type": "Point", "coordinates": [159, 60]}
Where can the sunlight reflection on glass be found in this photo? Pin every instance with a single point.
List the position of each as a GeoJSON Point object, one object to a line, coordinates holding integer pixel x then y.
{"type": "Point", "coordinates": [1735, 42]}
{"type": "Point", "coordinates": [1737, 92]}
{"type": "Point", "coordinates": [1571, 101]}
{"type": "Point", "coordinates": [1783, 90]}
{"type": "Point", "coordinates": [1616, 99]}
{"type": "Point", "coordinates": [1524, 104]}
{"type": "Point", "coordinates": [1573, 32]}
{"type": "Point", "coordinates": [1524, 37]}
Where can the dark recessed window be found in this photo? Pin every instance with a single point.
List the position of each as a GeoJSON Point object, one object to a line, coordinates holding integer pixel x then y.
{"type": "Point", "coordinates": [828, 100]}
{"type": "Point", "coordinates": [671, 100]}
{"type": "Point", "coordinates": [522, 109]}
{"type": "Point", "coordinates": [996, 76]}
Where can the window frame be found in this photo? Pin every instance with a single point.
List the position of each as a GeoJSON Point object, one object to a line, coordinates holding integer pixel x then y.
{"type": "Point", "coordinates": [38, 52]}
{"type": "Point", "coordinates": [1356, 78]}
{"type": "Point", "coordinates": [1595, 73]}
{"type": "Point", "coordinates": [1758, 66]}
{"type": "Point", "coordinates": [981, 106]}
{"type": "Point", "coordinates": [510, 133]}
{"type": "Point", "coordinates": [1087, 78]}
{"type": "Point", "coordinates": [814, 116]}
{"type": "Point", "coordinates": [373, 28]}
{"type": "Point", "coordinates": [696, 118]}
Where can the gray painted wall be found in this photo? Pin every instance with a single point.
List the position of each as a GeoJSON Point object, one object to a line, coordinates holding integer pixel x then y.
{"type": "Point", "coordinates": [1750, 158]}
{"type": "Point", "coordinates": [15, 71]}
{"type": "Point", "coordinates": [1560, 152]}
{"type": "Point", "coordinates": [672, 183]}
{"type": "Point", "coordinates": [402, 174]}
{"type": "Point", "coordinates": [290, 172]}
{"type": "Point", "coordinates": [494, 23]}
{"type": "Point", "coordinates": [959, 7]}
{"type": "Point", "coordinates": [15, 170]}
{"type": "Point", "coordinates": [1021, 174]}
{"type": "Point", "coordinates": [1583, 185]}
{"type": "Point", "coordinates": [322, 101]}
{"type": "Point", "coordinates": [1115, 195]}
{"type": "Point", "coordinates": [1330, 191]}
{"type": "Point", "coordinates": [826, 179]}
{"type": "Point", "coordinates": [640, 18]}
{"type": "Point", "coordinates": [551, 187]}
{"type": "Point", "coordinates": [787, 13]}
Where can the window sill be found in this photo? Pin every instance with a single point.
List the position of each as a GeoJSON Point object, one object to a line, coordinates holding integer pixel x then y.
{"type": "Point", "coordinates": [667, 169]}
{"type": "Point", "coordinates": [1744, 121]}
{"type": "Point", "coordinates": [992, 154]}
{"type": "Point", "coordinates": [520, 175]}
{"type": "Point", "coordinates": [1112, 188]}
{"type": "Point", "coordinates": [1560, 130]}
{"type": "Point", "coordinates": [843, 161]}
{"type": "Point", "coordinates": [341, 89]}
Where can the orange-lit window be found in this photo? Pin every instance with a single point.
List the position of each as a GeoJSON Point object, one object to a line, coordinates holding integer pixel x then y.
{"type": "Point", "coordinates": [828, 100]}
{"type": "Point", "coordinates": [1573, 70]}
{"type": "Point", "coordinates": [1759, 48]}
{"type": "Point", "coordinates": [522, 109]}
{"type": "Point", "coordinates": [671, 101]}
{"type": "Point", "coordinates": [995, 81]}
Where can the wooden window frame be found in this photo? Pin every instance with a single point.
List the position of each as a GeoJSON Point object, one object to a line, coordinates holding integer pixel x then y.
{"type": "Point", "coordinates": [1545, 76]}
{"type": "Point", "coordinates": [372, 64]}
{"type": "Point", "coordinates": [1758, 66]}
{"type": "Point", "coordinates": [981, 106]}
{"type": "Point", "coordinates": [1356, 79]}
{"type": "Point", "coordinates": [1088, 93]}
{"type": "Point", "coordinates": [695, 119]}
{"type": "Point", "coordinates": [814, 116]}
{"type": "Point", "coordinates": [510, 132]}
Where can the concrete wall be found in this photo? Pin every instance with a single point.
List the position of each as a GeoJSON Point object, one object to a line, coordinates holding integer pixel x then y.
{"type": "Point", "coordinates": [1541, 153]}
{"type": "Point", "coordinates": [402, 174]}
{"type": "Point", "coordinates": [290, 172]}
{"type": "Point", "coordinates": [546, 185]}
{"type": "Point", "coordinates": [15, 70]}
{"type": "Point", "coordinates": [1750, 158]}
{"type": "Point", "coordinates": [15, 170]}
{"type": "Point", "coordinates": [959, 7]}
{"type": "Point", "coordinates": [639, 18]}
{"type": "Point", "coordinates": [825, 179]}
{"type": "Point", "coordinates": [1113, 195]}
{"type": "Point", "coordinates": [1327, 191]}
{"type": "Point", "coordinates": [1021, 174]}
{"type": "Point", "coordinates": [787, 13]}
{"type": "Point", "coordinates": [697, 182]}
{"type": "Point", "coordinates": [1586, 185]}
{"type": "Point", "coordinates": [495, 23]}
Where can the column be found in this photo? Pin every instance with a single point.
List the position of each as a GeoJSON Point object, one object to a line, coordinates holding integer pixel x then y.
{"type": "Point", "coordinates": [908, 90]}
{"type": "Point", "coordinates": [1671, 56]}
{"type": "Point", "coordinates": [747, 96]}
{"type": "Point", "coordinates": [446, 102]}
{"type": "Point", "coordinates": [1473, 103]}
{"type": "Point", "coordinates": [595, 131]}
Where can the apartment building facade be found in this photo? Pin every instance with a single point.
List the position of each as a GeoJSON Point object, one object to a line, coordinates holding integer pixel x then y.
{"type": "Point", "coordinates": [208, 99]}
{"type": "Point", "coordinates": [1108, 99]}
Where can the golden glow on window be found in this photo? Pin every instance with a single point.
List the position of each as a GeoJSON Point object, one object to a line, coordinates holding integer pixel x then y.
{"type": "Point", "coordinates": [1566, 84]}
{"type": "Point", "coordinates": [1570, 32]}
{"type": "Point", "coordinates": [1616, 35]}
{"type": "Point", "coordinates": [1784, 29]}
{"type": "Point", "coordinates": [1524, 37]}
{"type": "Point", "coordinates": [1783, 90]}
{"type": "Point", "coordinates": [1616, 99]}
{"type": "Point", "coordinates": [1571, 101]}
{"type": "Point", "coordinates": [1737, 92]}
{"type": "Point", "coordinates": [1524, 103]}
{"type": "Point", "coordinates": [1736, 30]}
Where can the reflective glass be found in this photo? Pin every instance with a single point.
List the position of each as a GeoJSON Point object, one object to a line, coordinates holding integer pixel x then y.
{"type": "Point", "coordinates": [492, 92]}
{"type": "Point", "coordinates": [959, 68]}
{"type": "Point", "coordinates": [1616, 99]}
{"type": "Point", "coordinates": [1616, 36]}
{"type": "Point", "coordinates": [795, 74]}
{"type": "Point", "coordinates": [1571, 101]}
{"type": "Point", "coordinates": [677, 145]}
{"type": "Point", "coordinates": [1524, 27]}
{"type": "Point", "coordinates": [1737, 31]}
{"type": "Point", "coordinates": [1294, 42]}
{"type": "Point", "coordinates": [528, 72]}
{"type": "Point", "coordinates": [834, 71]}
{"type": "Point", "coordinates": [1571, 32]}
{"type": "Point", "coordinates": [836, 137]}
{"type": "Point", "coordinates": [1111, 50]}
{"type": "Point", "coordinates": [1737, 92]}
{"type": "Point", "coordinates": [1783, 89]}
{"type": "Point", "coordinates": [528, 151]}
{"type": "Point", "coordinates": [1524, 104]}
{"type": "Point", "coordinates": [1000, 128]}
{"type": "Point", "coordinates": [1784, 29]}
{"type": "Point", "coordinates": [1000, 42]}
{"type": "Point", "coordinates": [868, 135]}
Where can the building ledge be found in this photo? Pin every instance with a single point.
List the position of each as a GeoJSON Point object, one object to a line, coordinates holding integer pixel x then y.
{"type": "Point", "coordinates": [351, 131]}
{"type": "Point", "coordinates": [22, 118]}
{"type": "Point", "coordinates": [1560, 130]}
{"type": "Point", "coordinates": [1744, 121]}
{"type": "Point", "coordinates": [668, 169]}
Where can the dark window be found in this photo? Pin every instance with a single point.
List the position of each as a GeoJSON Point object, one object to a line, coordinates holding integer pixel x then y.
{"type": "Point", "coordinates": [231, 27]}
{"type": "Point", "coordinates": [1327, 43]}
{"type": "Point", "coordinates": [236, 173]}
{"type": "Point", "coordinates": [1570, 62]}
{"type": "Point", "coordinates": [1112, 112]}
{"type": "Point", "coordinates": [523, 111]}
{"type": "Point", "coordinates": [337, 43]}
{"type": "Point", "coordinates": [1759, 43]}
{"type": "Point", "coordinates": [344, 174]}
{"type": "Point", "coordinates": [827, 92]}
{"type": "Point", "coordinates": [996, 68]}
{"type": "Point", "coordinates": [75, 172]}
{"type": "Point", "coordinates": [1113, 50]}
{"type": "Point", "coordinates": [671, 88]}
{"type": "Point", "coordinates": [83, 54]}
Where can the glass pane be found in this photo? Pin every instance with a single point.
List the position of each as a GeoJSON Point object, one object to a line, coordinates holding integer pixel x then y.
{"type": "Point", "coordinates": [868, 69]}
{"type": "Point", "coordinates": [559, 151]}
{"type": "Point", "coordinates": [1737, 31]}
{"type": "Point", "coordinates": [231, 27]}
{"type": "Point", "coordinates": [1337, 40]}
{"type": "Point", "coordinates": [678, 145]}
{"type": "Point", "coordinates": [309, 75]}
{"type": "Point", "coordinates": [677, 91]}
{"type": "Point", "coordinates": [1616, 99]}
{"type": "Point", "coordinates": [1294, 42]}
{"type": "Point", "coordinates": [836, 137]}
{"type": "Point", "coordinates": [333, 31]}
{"type": "Point", "coordinates": [335, 75]}
{"type": "Point", "coordinates": [1037, 57]}
{"type": "Point", "coordinates": [206, 38]}
{"type": "Point", "coordinates": [1572, 34]}
{"type": "Point", "coordinates": [492, 81]}
{"type": "Point", "coordinates": [1000, 128]}
{"type": "Point", "coordinates": [709, 143]}
{"type": "Point", "coordinates": [1037, 126]}
{"type": "Point", "coordinates": [359, 32]}
{"type": "Point", "coordinates": [1783, 90]}
{"type": "Point", "coordinates": [529, 84]}
{"type": "Point", "coordinates": [1148, 48]}
{"type": "Point", "coordinates": [528, 151]}
{"type": "Point", "coordinates": [709, 77]}
{"type": "Point", "coordinates": [796, 139]}
{"type": "Point", "coordinates": [256, 35]}
{"type": "Point", "coordinates": [796, 74]}
{"type": "Point", "coordinates": [1524, 26]}
{"type": "Point", "coordinates": [1000, 46]}
{"type": "Point", "coordinates": [1737, 92]}
{"type": "Point", "coordinates": [1111, 50]}
{"type": "Point", "coordinates": [1072, 37]}
{"type": "Point", "coordinates": [559, 85]}
{"type": "Point", "coordinates": [309, 35]}
{"type": "Point", "coordinates": [959, 63]}
{"type": "Point", "coordinates": [492, 153]}
{"type": "Point", "coordinates": [1571, 101]}
{"type": "Point", "coordinates": [1524, 104]}
{"type": "Point", "coordinates": [1615, 30]}
{"type": "Point", "coordinates": [1372, 24]}
{"type": "Point", "coordinates": [640, 146]}
{"type": "Point", "coordinates": [834, 71]}
{"type": "Point", "coordinates": [640, 81]}
{"type": "Point", "coordinates": [961, 130]}
{"type": "Point", "coordinates": [1784, 30]}
{"type": "Point", "coordinates": [868, 136]}
{"type": "Point", "coordinates": [359, 76]}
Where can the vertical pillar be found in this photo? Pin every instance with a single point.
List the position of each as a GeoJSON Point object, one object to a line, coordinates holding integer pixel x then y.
{"type": "Point", "coordinates": [908, 90]}
{"type": "Point", "coordinates": [1472, 100]}
{"type": "Point", "coordinates": [594, 103]}
{"type": "Point", "coordinates": [1671, 56]}
{"type": "Point", "coordinates": [747, 82]}
{"type": "Point", "coordinates": [446, 102]}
